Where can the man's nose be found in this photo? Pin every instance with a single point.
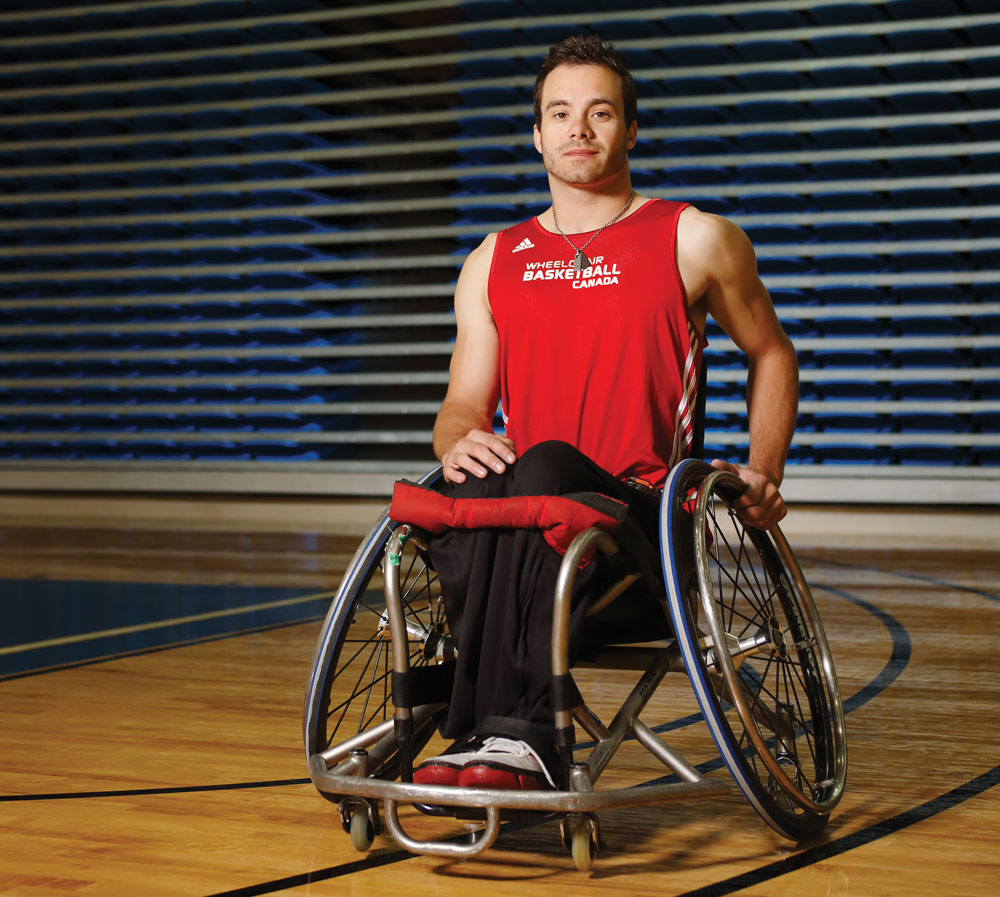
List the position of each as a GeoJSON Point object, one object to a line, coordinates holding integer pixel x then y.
{"type": "Point", "coordinates": [580, 128]}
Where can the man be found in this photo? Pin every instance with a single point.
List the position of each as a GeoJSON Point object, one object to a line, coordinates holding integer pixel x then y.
{"type": "Point", "coordinates": [588, 323]}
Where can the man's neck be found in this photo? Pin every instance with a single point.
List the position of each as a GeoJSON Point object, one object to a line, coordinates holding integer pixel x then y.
{"type": "Point", "coordinates": [581, 208]}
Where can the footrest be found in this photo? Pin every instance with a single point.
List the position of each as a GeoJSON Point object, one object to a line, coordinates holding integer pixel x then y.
{"type": "Point", "coordinates": [487, 798]}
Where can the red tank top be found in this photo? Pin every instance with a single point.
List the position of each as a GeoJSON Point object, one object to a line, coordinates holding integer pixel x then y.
{"type": "Point", "coordinates": [606, 359]}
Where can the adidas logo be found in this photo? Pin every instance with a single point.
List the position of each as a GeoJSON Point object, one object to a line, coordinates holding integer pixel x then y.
{"type": "Point", "coordinates": [524, 244]}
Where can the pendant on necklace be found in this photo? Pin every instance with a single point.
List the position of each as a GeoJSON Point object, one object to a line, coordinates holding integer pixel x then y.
{"type": "Point", "coordinates": [580, 261]}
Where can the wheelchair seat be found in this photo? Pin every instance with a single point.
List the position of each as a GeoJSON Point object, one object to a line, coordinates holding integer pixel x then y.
{"type": "Point", "coordinates": [733, 613]}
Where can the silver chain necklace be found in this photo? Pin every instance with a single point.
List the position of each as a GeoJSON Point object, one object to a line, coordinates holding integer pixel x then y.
{"type": "Point", "coordinates": [580, 261]}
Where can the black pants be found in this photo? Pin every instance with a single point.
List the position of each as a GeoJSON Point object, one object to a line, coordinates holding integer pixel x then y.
{"type": "Point", "coordinates": [498, 586]}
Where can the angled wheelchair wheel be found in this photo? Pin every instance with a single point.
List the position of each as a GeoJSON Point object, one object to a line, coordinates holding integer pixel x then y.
{"type": "Point", "coordinates": [755, 651]}
{"type": "Point", "coordinates": [349, 686]}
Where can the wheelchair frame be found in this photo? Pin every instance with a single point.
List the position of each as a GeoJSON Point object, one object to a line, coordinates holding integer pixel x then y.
{"type": "Point", "coordinates": [770, 698]}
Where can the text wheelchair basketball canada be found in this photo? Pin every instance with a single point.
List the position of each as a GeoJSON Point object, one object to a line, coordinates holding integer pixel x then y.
{"type": "Point", "coordinates": [746, 634]}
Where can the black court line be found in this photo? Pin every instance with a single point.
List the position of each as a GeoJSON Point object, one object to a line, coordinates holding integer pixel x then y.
{"type": "Point", "coordinates": [806, 858]}
{"type": "Point", "coordinates": [902, 574]}
{"type": "Point", "coordinates": [140, 792]}
{"type": "Point", "coordinates": [898, 659]}
{"type": "Point", "coordinates": [373, 861]}
{"type": "Point", "coordinates": [879, 830]}
{"type": "Point", "coordinates": [894, 667]}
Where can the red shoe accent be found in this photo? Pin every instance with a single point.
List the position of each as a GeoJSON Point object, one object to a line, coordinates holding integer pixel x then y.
{"type": "Point", "coordinates": [484, 776]}
{"type": "Point", "coordinates": [432, 772]}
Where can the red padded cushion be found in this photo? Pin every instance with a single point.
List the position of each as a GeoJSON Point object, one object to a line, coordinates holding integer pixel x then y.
{"type": "Point", "coordinates": [560, 518]}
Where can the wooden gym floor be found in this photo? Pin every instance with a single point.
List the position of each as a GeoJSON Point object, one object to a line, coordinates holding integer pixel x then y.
{"type": "Point", "coordinates": [153, 655]}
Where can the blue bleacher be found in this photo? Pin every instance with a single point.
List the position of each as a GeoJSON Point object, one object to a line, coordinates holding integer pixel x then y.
{"type": "Point", "coordinates": [776, 80]}
{"type": "Point", "coordinates": [491, 125]}
{"type": "Point", "coordinates": [771, 50]}
{"type": "Point", "coordinates": [769, 111]}
{"type": "Point", "coordinates": [930, 422]}
{"type": "Point", "coordinates": [928, 357]}
{"type": "Point", "coordinates": [485, 10]}
{"type": "Point", "coordinates": [921, 9]}
{"type": "Point", "coordinates": [43, 451]}
{"type": "Point", "coordinates": [852, 453]}
{"type": "Point", "coordinates": [831, 46]}
{"type": "Point", "coordinates": [846, 200]}
{"type": "Point", "coordinates": [682, 56]}
{"type": "Point", "coordinates": [925, 39]}
{"type": "Point", "coordinates": [776, 126]}
{"type": "Point", "coordinates": [847, 107]}
{"type": "Point", "coordinates": [688, 25]}
{"type": "Point", "coordinates": [777, 265]}
{"type": "Point", "coordinates": [847, 75]}
{"type": "Point", "coordinates": [943, 454]}
{"type": "Point", "coordinates": [841, 137]}
{"type": "Point", "coordinates": [849, 231]}
{"type": "Point", "coordinates": [845, 13]}
{"type": "Point", "coordinates": [281, 451]}
{"type": "Point", "coordinates": [924, 101]}
{"type": "Point", "coordinates": [847, 358]}
{"type": "Point", "coordinates": [842, 390]}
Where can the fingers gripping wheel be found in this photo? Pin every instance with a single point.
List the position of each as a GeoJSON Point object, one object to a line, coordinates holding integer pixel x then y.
{"type": "Point", "coordinates": [349, 687]}
{"type": "Point", "coordinates": [755, 651]}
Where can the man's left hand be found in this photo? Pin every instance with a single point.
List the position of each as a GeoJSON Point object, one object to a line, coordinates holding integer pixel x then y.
{"type": "Point", "coordinates": [761, 506]}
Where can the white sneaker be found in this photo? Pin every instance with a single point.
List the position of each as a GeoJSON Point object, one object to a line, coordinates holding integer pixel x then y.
{"type": "Point", "coordinates": [507, 764]}
{"type": "Point", "coordinates": [444, 769]}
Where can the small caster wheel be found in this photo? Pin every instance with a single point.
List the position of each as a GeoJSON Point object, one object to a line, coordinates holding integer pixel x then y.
{"type": "Point", "coordinates": [584, 845]}
{"type": "Point", "coordinates": [362, 831]}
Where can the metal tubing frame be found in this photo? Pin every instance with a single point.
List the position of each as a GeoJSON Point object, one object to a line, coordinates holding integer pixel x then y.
{"type": "Point", "coordinates": [330, 782]}
{"type": "Point", "coordinates": [340, 771]}
{"type": "Point", "coordinates": [589, 538]}
{"type": "Point", "coordinates": [627, 716]}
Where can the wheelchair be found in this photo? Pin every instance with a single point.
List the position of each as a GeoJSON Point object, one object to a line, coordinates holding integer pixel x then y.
{"type": "Point", "coordinates": [745, 631]}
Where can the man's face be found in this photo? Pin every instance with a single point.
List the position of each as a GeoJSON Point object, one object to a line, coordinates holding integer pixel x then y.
{"type": "Point", "coordinates": [582, 136]}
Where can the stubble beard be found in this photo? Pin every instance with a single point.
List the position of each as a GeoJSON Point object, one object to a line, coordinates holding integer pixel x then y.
{"type": "Point", "coordinates": [582, 171]}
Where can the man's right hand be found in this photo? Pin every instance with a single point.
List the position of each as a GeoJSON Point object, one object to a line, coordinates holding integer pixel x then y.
{"type": "Point", "coordinates": [478, 453]}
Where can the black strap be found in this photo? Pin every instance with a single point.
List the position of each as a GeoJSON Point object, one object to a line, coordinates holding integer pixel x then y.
{"type": "Point", "coordinates": [423, 685]}
{"type": "Point", "coordinates": [565, 694]}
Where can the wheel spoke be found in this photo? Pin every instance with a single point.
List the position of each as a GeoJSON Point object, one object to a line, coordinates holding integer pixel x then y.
{"type": "Point", "coordinates": [358, 689]}
{"type": "Point", "coordinates": [379, 656]}
{"type": "Point", "coordinates": [345, 705]}
{"type": "Point", "coordinates": [773, 709]}
{"type": "Point", "coordinates": [737, 589]}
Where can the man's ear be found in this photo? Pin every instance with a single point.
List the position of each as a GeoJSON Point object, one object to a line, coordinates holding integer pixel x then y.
{"type": "Point", "coordinates": [633, 130]}
{"type": "Point", "coordinates": [536, 134]}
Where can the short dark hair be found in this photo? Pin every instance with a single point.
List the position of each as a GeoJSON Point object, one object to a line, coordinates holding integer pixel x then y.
{"type": "Point", "coordinates": [587, 49]}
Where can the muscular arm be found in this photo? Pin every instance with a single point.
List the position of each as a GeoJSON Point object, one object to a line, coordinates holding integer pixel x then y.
{"type": "Point", "coordinates": [719, 266]}
{"type": "Point", "coordinates": [463, 432]}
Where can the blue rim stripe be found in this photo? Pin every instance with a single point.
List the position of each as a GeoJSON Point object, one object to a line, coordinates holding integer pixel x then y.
{"type": "Point", "coordinates": [689, 649]}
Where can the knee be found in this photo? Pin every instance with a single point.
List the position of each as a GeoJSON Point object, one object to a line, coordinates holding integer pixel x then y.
{"type": "Point", "coordinates": [548, 468]}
